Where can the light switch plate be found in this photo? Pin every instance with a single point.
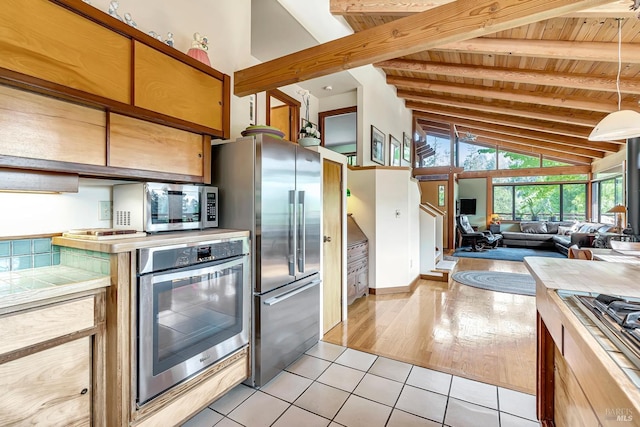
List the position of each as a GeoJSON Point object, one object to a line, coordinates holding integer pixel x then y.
{"type": "Point", "coordinates": [104, 210]}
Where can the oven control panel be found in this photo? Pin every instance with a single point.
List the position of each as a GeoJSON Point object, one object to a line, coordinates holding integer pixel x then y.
{"type": "Point", "coordinates": [158, 259]}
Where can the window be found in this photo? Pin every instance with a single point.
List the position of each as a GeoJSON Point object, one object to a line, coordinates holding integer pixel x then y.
{"type": "Point", "coordinates": [473, 157]}
{"type": "Point", "coordinates": [509, 160]}
{"type": "Point", "coordinates": [606, 194]}
{"type": "Point", "coordinates": [441, 195]}
{"type": "Point", "coordinates": [552, 202]}
{"type": "Point", "coordinates": [441, 155]}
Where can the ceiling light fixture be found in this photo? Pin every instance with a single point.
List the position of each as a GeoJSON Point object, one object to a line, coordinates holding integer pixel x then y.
{"type": "Point", "coordinates": [620, 124]}
{"type": "Point", "coordinates": [329, 88]}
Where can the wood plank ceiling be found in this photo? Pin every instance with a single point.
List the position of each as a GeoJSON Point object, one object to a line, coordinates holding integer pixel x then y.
{"type": "Point", "coordinates": [539, 88]}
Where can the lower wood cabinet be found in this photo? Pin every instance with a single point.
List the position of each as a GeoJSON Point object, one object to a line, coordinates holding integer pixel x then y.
{"type": "Point", "coordinates": [49, 387]}
{"type": "Point", "coordinates": [52, 364]}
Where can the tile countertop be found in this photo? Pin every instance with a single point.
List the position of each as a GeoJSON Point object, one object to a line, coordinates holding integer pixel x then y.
{"type": "Point", "coordinates": [151, 240]}
{"type": "Point", "coordinates": [38, 284]}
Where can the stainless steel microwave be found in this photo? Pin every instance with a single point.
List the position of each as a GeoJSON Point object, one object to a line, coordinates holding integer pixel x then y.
{"type": "Point", "coordinates": [155, 206]}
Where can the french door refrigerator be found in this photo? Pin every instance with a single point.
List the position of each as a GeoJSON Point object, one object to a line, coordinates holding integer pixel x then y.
{"type": "Point", "coordinates": [272, 187]}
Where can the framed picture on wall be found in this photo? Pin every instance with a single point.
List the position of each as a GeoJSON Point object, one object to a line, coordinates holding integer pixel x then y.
{"type": "Point", "coordinates": [377, 145]}
{"type": "Point", "coordinates": [394, 151]}
{"type": "Point", "coordinates": [406, 147]}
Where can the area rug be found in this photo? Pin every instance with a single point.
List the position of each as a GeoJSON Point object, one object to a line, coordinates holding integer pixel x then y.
{"type": "Point", "coordinates": [507, 254]}
{"type": "Point", "coordinates": [498, 281]}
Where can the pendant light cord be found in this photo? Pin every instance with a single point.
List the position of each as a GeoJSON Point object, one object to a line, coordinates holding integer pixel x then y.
{"type": "Point", "coordinates": [619, 62]}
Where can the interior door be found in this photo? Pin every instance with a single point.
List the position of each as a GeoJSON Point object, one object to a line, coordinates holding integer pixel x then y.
{"type": "Point", "coordinates": [281, 119]}
{"type": "Point", "coordinates": [436, 193]}
{"type": "Point", "coordinates": [332, 246]}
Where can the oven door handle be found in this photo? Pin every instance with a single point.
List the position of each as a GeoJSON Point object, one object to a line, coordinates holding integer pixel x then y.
{"type": "Point", "coordinates": [280, 298]}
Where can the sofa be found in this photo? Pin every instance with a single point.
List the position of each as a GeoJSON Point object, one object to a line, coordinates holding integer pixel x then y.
{"type": "Point", "coordinates": [558, 235]}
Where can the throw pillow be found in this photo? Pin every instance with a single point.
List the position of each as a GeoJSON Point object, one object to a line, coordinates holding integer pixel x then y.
{"type": "Point", "coordinates": [533, 227]}
{"type": "Point", "coordinates": [564, 231]}
{"type": "Point", "coordinates": [552, 227]}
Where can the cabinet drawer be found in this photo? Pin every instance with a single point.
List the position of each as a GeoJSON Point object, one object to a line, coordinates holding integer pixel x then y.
{"type": "Point", "coordinates": [24, 329]}
{"type": "Point", "coordinates": [51, 387]}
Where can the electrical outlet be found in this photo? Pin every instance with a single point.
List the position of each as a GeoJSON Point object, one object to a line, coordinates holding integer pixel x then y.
{"type": "Point", "coordinates": [104, 210]}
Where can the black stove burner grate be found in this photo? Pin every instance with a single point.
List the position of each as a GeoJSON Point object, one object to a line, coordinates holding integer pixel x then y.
{"type": "Point", "coordinates": [625, 313]}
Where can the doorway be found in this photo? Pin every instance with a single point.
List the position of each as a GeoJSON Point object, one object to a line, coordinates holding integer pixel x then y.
{"type": "Point", "coordinates": [332, 246]}
{"type": "Point", "coordinates": [339, 131]}
{"type": "Point", "coordinates": [283, 113]}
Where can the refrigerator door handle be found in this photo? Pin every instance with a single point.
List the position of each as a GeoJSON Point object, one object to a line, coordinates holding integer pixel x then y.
{"type": "Point", "coordinates": [280, 298]}
{"type": "Point", "coordinates": [292, 235]}
{"type": "Point", "coordinates": [302, 233]}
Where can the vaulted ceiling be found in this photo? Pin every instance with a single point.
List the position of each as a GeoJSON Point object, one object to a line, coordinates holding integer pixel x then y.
{"type": "Point", "coordinates": [527, 75]}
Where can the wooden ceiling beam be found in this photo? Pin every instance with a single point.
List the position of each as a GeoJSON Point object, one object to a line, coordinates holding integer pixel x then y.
{"type": "Point", "coordinates": [527, 145]}
{"type": "Point", "coordinates": [530, 124]}
{"type": "Point", "coordinates": [523, 96]}
{"type": "Point", "coordinates": [551, 49]}
{"type": "Point", "coordinates": [503, 173]}
{"type": "Point", "coordinates": [453, 22]}
{"type": "Point", "coordinates": [568, 80]}
{"type": "Point", "coordinates": [403, 8]}
{"type": "Point", "coordinates": [533, 135]}
{"type": "Point", "coordinates": [565, 116]}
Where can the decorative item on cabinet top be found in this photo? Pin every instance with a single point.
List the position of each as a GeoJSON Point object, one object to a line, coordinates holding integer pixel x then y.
{"type": "Point", "coordinates": [258, 129]}
{"type": "Point", "coordinates": [199, 48]}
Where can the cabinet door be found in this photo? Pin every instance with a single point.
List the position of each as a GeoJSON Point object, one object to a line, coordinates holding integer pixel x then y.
{"type": "Point", "coordinates": [136, 144]}
{"type": "Point", "coordinates": [40, 127]}
{"type": "Point", "coordinates": [47, 41]}
{"type": "Point", "coordinates": [48, 388]}
{"type": "Point", "coordinates": [170, 87]}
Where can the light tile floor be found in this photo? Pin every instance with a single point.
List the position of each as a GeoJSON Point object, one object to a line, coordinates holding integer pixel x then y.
{"type": "Point", "coordinates": [335, 386]}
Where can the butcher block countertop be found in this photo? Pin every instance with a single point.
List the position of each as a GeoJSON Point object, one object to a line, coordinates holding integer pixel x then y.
{"type": "Point", "coordinates": [114, 246]}
{"type": "Point", "coordinates": [609, 384]}
{"type": "Point", "coordinates": [585, 276]}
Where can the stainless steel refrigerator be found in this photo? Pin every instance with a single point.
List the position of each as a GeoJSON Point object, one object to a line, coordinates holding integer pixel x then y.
{"type": "Point", "coordinates": [272, 187]}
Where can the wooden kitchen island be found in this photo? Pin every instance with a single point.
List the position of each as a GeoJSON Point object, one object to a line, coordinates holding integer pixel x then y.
{"type": "Point", "coordinates": [581, 379]}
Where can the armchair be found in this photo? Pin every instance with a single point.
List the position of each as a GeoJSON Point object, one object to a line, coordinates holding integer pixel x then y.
{"type": "Point", "coordinates": [476, 239]}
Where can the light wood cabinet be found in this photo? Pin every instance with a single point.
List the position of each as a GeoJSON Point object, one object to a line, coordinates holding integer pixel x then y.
{"type": "Point", "coordinates": [46, 41]}
{"type": "Point", "coordinates": [71, 51]}
{"type": "Point", "coordinates": [51, 363]}
{"type": "Point", "coordinates": [176, 89]}
{"type": "Point", "coordinates": [137, 144]}
{"type": "Point", "coordinates": [50, 387]}
{"type": "Point", "coordinates": [40, 127]}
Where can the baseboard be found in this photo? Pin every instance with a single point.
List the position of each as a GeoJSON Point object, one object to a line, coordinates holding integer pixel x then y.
{"type": "Point", "coordinates": [397, 289]}
{"type": "Point", "coordinates": [436, 276]}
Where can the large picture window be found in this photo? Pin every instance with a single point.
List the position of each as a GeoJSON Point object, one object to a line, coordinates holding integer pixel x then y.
{"type": "Point", "coordinates": [537, 202]}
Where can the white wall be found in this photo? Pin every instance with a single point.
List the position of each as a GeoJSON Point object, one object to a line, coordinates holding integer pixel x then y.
{"type": "Point", "coordinates": [476, 188]}
{"type": "Point", "coordinates": [24, 214]}
{"type": "Point", "coordinates": [394, 247]}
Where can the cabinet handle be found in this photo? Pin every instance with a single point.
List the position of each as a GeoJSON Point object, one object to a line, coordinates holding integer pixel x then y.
{"type": "Point", "coordinates": [84, 391]}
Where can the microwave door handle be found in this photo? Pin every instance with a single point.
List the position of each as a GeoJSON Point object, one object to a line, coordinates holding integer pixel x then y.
{"type": "Point", "coordinates": [292, 224]}
{"type": "Point", "coordinates": [302, 233]}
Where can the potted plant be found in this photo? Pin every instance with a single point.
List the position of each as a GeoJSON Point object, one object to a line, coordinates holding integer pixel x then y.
{"type": "Point", "coordinates": [534, 209]}
{"type": "Point", "coordinates": [309, 134]}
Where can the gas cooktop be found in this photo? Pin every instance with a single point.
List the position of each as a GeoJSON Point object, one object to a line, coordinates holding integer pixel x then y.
{"type": "Point", "coordinates": [615, 323]}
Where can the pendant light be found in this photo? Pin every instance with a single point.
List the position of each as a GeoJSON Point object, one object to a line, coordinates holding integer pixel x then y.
{"type": "Point", "coordinates": [620, 124]}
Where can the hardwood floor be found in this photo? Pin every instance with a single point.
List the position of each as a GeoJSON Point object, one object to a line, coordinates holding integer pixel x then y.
{"type": "Point", "coordinates": [478, 334]}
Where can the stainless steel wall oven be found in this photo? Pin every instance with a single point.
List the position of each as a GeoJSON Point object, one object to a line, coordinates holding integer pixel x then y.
{"type": "Point", "coordinates": [193, 310]}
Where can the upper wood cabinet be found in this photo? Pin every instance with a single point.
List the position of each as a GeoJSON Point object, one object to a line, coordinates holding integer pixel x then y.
{"type": "Point", "coordinates": [43, 40]}
{"type": "Point", "coordinates": [40, 127]}
{"type": "Point", "coordinates": [176, 89]}
{"type": "Point", "coordinates": [69, 49]}
{"type": "Point", "coordinates": [137, 144]}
